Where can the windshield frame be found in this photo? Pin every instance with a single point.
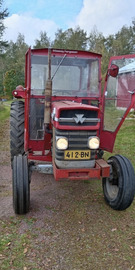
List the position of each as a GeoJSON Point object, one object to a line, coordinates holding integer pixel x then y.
{"type": "Point", "coordinates": [85, 57]}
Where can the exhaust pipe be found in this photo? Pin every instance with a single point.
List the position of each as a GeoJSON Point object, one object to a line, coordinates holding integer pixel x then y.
{"type": "Point", "coordinates": [48, 95]}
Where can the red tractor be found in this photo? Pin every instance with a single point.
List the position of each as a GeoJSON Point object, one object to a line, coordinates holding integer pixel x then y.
{"type": "Point", "coordinates": [63, 124]}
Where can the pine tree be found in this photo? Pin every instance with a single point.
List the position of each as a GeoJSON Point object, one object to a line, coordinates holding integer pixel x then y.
{"type": "Point", "coordinates": [3, 15]}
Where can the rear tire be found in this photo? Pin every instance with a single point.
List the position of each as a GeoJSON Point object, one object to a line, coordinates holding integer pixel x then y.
{"type": "Point", "coordinates": [119, 188]}
{"type": "Point", "coordinates": [16, 129]}
{"type": "Point", "coordinates": [21, 185]}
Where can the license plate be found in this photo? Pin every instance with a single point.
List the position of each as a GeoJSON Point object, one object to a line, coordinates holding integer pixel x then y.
{"type": "Point", "coordinates": [77, 154]}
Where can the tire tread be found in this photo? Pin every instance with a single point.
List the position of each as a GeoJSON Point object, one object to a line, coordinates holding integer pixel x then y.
{"type": "Point", "coordinates": [16, 128]}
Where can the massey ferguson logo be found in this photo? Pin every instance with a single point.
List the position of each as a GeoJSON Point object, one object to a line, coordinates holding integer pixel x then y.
{"type": "Point", "coordinates": [79, 118]}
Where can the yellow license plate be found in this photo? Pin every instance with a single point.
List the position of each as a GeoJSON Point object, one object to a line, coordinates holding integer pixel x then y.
{"type": "Point", "coordinates": [77, 154]}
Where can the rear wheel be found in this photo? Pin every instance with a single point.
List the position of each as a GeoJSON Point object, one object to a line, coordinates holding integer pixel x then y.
{"type": "Point", "coordinates": [16, 129]}
{"type": "Point", "coordinates": [119, 188]}
{"type": "Point", "coordinates": [21, 185]}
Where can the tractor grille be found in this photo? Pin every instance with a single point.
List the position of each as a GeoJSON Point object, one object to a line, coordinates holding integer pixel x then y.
{"type": "Point", "coordinates": [79, 117]}
{"type": "Point", "coordinates": [77, 140]}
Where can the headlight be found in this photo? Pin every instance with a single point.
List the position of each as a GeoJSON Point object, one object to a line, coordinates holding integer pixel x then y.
{"type": "Point", "coordinates": [62, 143]}
{"type": "Point", "coordinates": [93, 143]}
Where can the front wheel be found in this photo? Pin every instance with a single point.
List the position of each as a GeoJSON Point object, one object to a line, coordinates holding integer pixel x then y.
{"type": "Point", "coordinates": [119, 188]}
{"type": "Point", "coordinates": [21, 185]}
{"type": "Point", "coordinates": [16, 129]}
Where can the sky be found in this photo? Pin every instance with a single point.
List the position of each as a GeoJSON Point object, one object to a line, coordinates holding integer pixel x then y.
{"type": "Point", "coordinates": [30, 17]}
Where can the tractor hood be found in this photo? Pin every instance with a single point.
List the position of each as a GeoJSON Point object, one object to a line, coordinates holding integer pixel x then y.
{"type": "Point", "coordinates": [73, 115]}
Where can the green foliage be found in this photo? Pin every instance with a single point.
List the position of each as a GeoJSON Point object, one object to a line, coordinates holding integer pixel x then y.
{"type": "Point", "coordinates": [12, 61]}
{"type": "Point", "coordinates": [14, 65]}
{"type": "Point", "coordinates": [3, 44]}
{"type": "Point", "coordinates": [4, 111]}
{"type": "Point", "coordinates": [11, 80]}
{"type": "Point", "coordinates": [43, 42]}
{"type": "Point", "coordinates": [15, 54]}
{"type": "Point", "coordinates": [3, 15]}
{"type": "Point", "coordinates": [124, 144]}
{"type": "Point", "coordinates": [72, 39]}
{"type": "Point", "coordinates": [60, 39]}
{"type": "Point", "coordinates": [120, 43]}
{"type": "Point", "coordinates": [97, 43]}
{"type": "Point", "coordinates": [2, 65]}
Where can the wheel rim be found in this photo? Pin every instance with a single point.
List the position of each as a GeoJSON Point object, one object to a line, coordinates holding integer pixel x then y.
{"type": "Point", "coordinates": [112, 189]}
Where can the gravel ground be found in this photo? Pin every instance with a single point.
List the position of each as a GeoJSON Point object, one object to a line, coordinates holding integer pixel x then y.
{"type": "Point", "coordinates": [69, 226]}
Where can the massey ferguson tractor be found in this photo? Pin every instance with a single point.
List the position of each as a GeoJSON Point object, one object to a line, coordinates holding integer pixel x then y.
{"type": "Point", "coordinates": [61, 124]}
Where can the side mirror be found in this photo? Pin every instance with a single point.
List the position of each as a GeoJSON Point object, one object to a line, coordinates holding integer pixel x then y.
{"type": "Point", "coordinates": [112, 71]}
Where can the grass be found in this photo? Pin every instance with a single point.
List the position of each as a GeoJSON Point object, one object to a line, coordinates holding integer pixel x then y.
{"type": "Point", "coordinates": [14, 246]}
{"type": "Point", "coordinates": [125, 141]}
{"type": "Point", "coordinates": [4, 110]}
{"type": "Point", "coordinates": [115, 115]}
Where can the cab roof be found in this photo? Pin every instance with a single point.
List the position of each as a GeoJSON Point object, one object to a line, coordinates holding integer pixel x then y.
{"type": "Point", "coordinates": [70, 53]}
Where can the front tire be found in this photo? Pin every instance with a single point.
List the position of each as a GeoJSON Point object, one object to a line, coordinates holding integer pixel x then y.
{"type": "Point", "coordinates": [21, 185]}
{"type": "Point", "coordinates": [16, 128]}
{"type": "Point", "coordinates": [119, 188]}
